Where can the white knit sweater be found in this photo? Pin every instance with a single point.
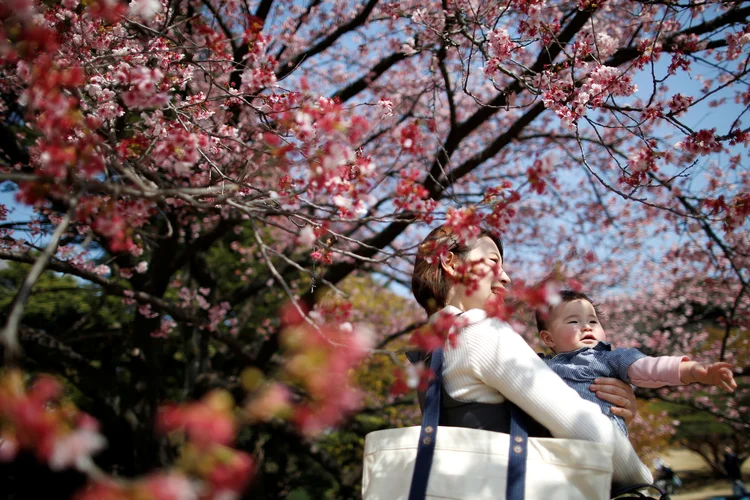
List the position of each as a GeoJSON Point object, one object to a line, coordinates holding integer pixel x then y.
{"type": "Point", "coordinates": [491, 362]}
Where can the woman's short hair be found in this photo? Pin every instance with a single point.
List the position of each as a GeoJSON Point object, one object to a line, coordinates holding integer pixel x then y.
{"type": "Point", "coordinates": [429, 283]}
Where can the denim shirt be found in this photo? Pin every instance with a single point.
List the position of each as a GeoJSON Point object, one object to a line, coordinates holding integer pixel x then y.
{"type": "Point", "coordinates": [579, 368]}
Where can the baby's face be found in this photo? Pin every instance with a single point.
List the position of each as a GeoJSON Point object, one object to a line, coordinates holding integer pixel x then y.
{"type": "Point", "coordinates": [574, 325]}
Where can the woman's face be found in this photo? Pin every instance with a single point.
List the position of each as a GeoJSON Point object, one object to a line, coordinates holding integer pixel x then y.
{"type": "Point", "coordinates": [479, 275]}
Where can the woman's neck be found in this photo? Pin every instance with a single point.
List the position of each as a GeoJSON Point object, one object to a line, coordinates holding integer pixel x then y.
{"type": "Point", "coordinates": [455, 300]}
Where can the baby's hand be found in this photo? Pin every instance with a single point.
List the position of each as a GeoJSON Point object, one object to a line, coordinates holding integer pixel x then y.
{"type": "Point", "coordinates": [714, 374]}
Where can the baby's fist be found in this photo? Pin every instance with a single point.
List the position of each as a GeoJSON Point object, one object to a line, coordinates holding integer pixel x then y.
{"type": "Point", "coordinates": [718, 373]}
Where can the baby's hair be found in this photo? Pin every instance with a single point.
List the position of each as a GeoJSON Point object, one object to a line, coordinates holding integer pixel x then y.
{"type": "Point", "coordinates": [544, 318]}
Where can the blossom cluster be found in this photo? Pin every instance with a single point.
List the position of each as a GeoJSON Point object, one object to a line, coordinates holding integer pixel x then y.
{"type": "Point", "coordinates": [413, 196]}
{"type": "Point", "coordinates": [735, 211]}
{"type": "Point", "coordinates": [570, 102]}
{"type": "Point", "coordinates": [410, 138]}
{"type": "Point", "coordinates": [317, 355]}
{"type": "Point", "coordinates": [641, 161]}
{"type": "Point", "coordinates": [158, 486]}
{"type": "Point", "coordinates": [539, 173]}
{"type": "Point", "coordinates": [501, 47]}
{"type": "Point", "coordinates": [325, 134]}
{"type": "Point", "coordinates": [87, 76]}
{"type": "Point", "coordinates": [502, 199]}
{"type": "Point", "coordinates": [702, 142]}
{"type": "Point", "coordinates": [209, 427]}
{"type": "Point", "coordinates": [442, 329]}
{"type": "Point", "coordinates": [114, 220]}
{"type": "Point", "coordinates": [464, 223]}
{"type": "Point", "coordinates": [260, 66]}
{"type": "Point", "coordinates": [40, 420]}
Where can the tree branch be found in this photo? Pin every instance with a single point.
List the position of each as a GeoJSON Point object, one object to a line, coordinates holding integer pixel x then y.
{"type": "Point", "coordinates": [395, 335]}
{"type": "Point", "coordinates": [366, 80]}
{"type": "Point", "coordinates": [358, 20]}
{"type": "Point", "coordinates": [109, 286]}
{"type": "Point", "coordinates": [9, 334]}
{"type": "Point", "coordinates": [263, 9]}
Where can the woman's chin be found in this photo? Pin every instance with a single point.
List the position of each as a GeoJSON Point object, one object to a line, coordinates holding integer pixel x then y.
{"type": "Point", "coordinates": [495, 306]}
{"type": "Point", "coordinates": [497, 297]}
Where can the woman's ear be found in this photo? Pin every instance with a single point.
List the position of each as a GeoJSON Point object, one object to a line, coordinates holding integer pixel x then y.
{"type": "Point", "coordinates": [547, 339]}
{"type": "Point", "coordinates": [449, 263]}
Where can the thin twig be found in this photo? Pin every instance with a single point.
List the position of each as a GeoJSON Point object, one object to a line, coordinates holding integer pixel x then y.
{"type": "Point", "coordinates": [9, 335]}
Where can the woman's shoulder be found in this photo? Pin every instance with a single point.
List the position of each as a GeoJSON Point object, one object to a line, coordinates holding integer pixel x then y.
{"type": "Point", "coordinates": [478, 321]}
{"type": "Point", "coordinates": [474, 322]}
{"type": "Point", "coordinates": [483, 340]}
{"type": "Point", "coordinates": [474, 316]}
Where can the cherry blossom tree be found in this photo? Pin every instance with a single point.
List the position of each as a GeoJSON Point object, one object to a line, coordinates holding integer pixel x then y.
{"type": "Point", "coordinates": [220, 168]}
{"type": "Point", "coordinates": [694, 317]}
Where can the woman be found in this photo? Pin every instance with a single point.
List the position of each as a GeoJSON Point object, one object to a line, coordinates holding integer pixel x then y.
{"type": "Point", "coordinates": [490, 363]}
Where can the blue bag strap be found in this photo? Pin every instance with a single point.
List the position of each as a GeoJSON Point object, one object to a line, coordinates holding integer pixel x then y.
{"type": "Point", "coordinates": [519, 441]}
{"type": "Point", "coordinates": [430, 420]}
{"type": "Point", "coordinates": [519, 437]}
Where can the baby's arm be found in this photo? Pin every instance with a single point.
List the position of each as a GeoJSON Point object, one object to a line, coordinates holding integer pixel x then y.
{"type": "Point", "coordinates": [655, 372]}
{"type": "Point", "coordinates": [678, 370]}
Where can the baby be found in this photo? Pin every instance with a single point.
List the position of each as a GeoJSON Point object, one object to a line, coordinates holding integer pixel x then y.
{"type": "Point", "coordinates": [573, 332]}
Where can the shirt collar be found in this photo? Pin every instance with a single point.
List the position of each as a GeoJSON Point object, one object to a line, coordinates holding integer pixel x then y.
{"type": "Point", "coordinates": [600, 346]}
{"type": "Point", "coordinates": [603, 346]}
{"type": "Point", "coordinates": [472, 315]}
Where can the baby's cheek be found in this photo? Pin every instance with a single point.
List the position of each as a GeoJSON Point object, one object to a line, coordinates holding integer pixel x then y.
{"type": "Point", "coordinates": [567, 338]}
{"type": "Point", "coordinates": [569, 331]}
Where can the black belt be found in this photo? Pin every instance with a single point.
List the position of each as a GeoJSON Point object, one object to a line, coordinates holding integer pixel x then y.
{"type": "Point", "coordinates": [486, 416]}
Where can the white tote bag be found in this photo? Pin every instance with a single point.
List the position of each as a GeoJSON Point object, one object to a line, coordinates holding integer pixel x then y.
{"type": "Point", "coordinates": [472, 464]}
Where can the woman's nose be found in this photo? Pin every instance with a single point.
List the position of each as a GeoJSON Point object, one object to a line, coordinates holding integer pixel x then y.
{"type": "Point", "coordinates": [504, 278]}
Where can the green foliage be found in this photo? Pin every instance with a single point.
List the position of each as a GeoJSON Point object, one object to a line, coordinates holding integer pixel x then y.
{"type": "Point", "coordinates": [704, 432]}
{"type": "Point", "coordinates": [695, 425]}
{"type": "Point", "coordinates": [62, 301]}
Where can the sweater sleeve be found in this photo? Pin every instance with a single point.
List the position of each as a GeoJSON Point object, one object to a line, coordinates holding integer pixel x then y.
{"type": "Point", "coordinates": [504, 361]}
{"type": "Point", "coordinates": [656, 372]}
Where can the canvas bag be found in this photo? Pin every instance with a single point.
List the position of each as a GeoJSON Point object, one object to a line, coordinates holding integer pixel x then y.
{"type": "Point", "coordinates": [412, 463]}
